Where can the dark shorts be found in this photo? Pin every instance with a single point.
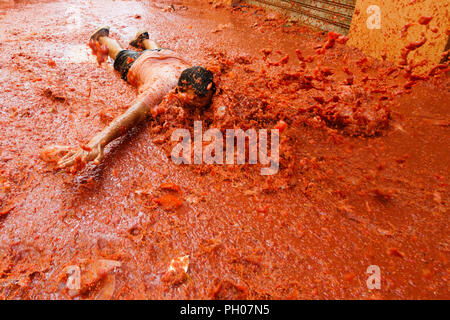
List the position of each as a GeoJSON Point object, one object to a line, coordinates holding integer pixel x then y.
{"type": "Point", "coordinates": [125, 60]}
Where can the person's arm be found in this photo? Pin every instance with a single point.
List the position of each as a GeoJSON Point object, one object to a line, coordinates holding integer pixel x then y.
{"type": "Point", "coordinates": [93, 151]}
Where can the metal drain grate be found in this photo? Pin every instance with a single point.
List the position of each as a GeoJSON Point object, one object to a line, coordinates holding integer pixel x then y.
{"type": "Point", "coordinates": [324, 14]}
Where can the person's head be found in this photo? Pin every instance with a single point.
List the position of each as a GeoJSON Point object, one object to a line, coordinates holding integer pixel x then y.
{"type": "Point", "coordinates": [196, 87]}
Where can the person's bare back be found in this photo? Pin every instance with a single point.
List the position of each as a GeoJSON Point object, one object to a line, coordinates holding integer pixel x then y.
{"type": "Point", "coordinates": [155, 73]}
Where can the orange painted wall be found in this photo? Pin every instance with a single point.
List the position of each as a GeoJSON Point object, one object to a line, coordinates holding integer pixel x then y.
{"type": "Point", "coordinates": [395, 14]}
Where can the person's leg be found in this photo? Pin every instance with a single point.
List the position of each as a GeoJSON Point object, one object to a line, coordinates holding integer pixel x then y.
{"type": "Point", "coordinates": [142, 41]}
{"type": "Point", "coordinates": [101, 43]}
{"type": "Point", "coordinates": [101, 36]}
{"type": "Point", "coordinates": [150, 44]}
{"type": "Point", "coordinates": [113, 46]}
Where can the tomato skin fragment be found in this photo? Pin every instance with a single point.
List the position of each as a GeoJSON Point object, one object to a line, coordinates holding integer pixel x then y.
{"type": "Point", "coordinates": [395, 252]}
{"type": "Point", "coordinates": [416, 45]}
{"type": "Point", "coordinates": [349, 276]}
{"type": "Point", "coordinates": [343, 39]}
{"type": "Point", "coordinates": [86, 148]}
{"type": "Point", "coordinates": [283, 61]}
{"type": "Point", "coordinates": [169, 201]}
{"type": "Point", "coordinates": [7, 210]}
{"type": "Point", "coordinates": [171, 187]}
{"type": "Point", "coordinates": [425, 20]}
{"type": "Point", "coordinates": [281, 126]}
{"type": "Point", "coordinates": [299, 55]}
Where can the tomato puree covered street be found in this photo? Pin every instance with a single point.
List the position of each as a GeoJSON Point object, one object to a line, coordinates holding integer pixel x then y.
{"type": "Point", "coordinates": [363, 175]}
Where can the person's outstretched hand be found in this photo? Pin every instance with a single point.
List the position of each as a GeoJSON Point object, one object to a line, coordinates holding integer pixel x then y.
{"type": "Point", "coordinates": [78, 158]}
{"type": "Point", "coordinates": [74, 158]}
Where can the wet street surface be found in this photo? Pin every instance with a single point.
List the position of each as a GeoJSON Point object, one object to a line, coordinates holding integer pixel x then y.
{"type": "Point", "coordinates": [363, 180]}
